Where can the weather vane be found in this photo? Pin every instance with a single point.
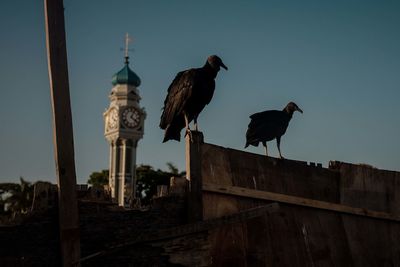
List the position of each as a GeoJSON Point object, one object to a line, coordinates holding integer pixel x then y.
{"type": "Point", "coordinates": [127, 41]}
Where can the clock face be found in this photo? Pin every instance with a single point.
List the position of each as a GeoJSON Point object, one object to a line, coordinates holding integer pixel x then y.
{"type": "Point", "coordinates": [112, 119]}
{"type": "Point", "coordinates": [131, 117]}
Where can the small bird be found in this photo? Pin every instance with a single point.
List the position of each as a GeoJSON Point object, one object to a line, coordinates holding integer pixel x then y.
{"type": "Point", "coordinates": [188, 94]}
{"type": "Point", "coordinates": [268, 125]}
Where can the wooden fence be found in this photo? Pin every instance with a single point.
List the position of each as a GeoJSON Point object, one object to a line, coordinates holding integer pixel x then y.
{"type": "Point", "coordinates": [344, 215]}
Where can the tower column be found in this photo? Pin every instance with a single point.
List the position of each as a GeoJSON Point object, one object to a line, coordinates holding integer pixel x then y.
{"type": "Point", "coordinates": [119, 190]}
{"type": "Point", "coordinates": [133, 172]}
{"type": "Point", "coordinates": [117, 164]}
{"type": "Point", "coordinates": [111, 175]}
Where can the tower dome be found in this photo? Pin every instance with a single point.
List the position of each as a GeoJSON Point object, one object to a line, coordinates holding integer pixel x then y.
{"type": "Point", "coordinates": [126, 76]}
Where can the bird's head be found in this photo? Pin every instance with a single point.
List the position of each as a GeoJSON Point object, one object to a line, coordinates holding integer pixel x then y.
{"type": "Point", "coordinates": [216, 62]}
{"type": "Point", "coordinates": [292, 107]}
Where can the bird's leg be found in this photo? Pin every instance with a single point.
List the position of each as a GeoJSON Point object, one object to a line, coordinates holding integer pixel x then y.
{"type": "Point", "coordinates": [187, 127]}
{"type": "Point", "coordinates": [195, 124]}
{"type": "Point", "coordinates": [278, 142]}
{"type": "Point", "coordinates": [266, 149]}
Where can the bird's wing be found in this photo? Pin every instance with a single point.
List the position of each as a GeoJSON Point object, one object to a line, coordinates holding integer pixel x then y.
{"type": "Point", "coordinates": [208, 94]}
{"type": "Point", "coordinates": [267, 125]}
{"type": "Point", "coordinates": [179, 92]}
{"type": "Point", "coordinates": [269, 116]}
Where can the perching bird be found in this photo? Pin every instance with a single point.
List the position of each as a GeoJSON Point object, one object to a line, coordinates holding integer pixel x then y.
{"type": "Point", "coordinates": [268, 125]}
{"type": "Point", "coordinates": [188, 94]}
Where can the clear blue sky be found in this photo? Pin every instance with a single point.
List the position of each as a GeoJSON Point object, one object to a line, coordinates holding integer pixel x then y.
{"type": "Point", "coordinates": [338, 60]}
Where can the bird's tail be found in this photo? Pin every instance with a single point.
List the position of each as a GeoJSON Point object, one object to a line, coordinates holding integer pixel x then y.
{"type": "Point", "coordinates": [172, 133]}
{"type": "Point", "coordinates": [252, 143]}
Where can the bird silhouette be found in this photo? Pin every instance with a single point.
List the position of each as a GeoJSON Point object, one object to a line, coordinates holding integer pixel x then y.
{"type": "Point", "coordinates": [268, 125]}
{"type": "Point", "coordinates": [188, 94]}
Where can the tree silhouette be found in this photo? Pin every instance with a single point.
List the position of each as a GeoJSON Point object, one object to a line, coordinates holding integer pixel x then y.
{"type": "Point", "coordinates": [147, 180]}
{"type": "Point", "coordinates": [16, 198]}
{"type": "Point", "coordinates": [98, 178]}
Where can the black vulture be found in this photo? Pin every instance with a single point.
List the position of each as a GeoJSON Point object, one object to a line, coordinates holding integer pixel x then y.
{"type": "Point", "coordinates": [188, 94]}
{"type": "Point", "coordinates": [268, 125]}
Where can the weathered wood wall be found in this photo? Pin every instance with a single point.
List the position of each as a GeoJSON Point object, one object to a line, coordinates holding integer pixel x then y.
{"type": "Point", "coordinates": [301, 236]}
{"type": "Point", "coordinates": [371, 242]}
{"type": "Point", "coordinates": [234, 230]}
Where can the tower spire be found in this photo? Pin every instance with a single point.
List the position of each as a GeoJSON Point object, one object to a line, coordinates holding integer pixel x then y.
{"type": "Point", "coordinates": [127, 41]}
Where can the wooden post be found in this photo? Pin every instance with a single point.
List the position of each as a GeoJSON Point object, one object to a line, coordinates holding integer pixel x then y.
{"type": "Point", "coordinates": [193, 174]}
{"type": "Point", "coordinates": [62, 132]}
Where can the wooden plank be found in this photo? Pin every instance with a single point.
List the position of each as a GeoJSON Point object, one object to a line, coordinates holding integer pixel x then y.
{"type": "Point", "coordinates": [62, 131]}
{"type": "Point", "coordinates": [227, 166]}
{"type": "Point", "coordinates": [216, 170]}
{"type": "Point", "coordinates": [365, 186]}
{"type": "Point", "coordinates": [287, 177]}
{"type": "Point", "coordinates": [193, 174]}
{"type": "Point", "coordinates": [257, 194]}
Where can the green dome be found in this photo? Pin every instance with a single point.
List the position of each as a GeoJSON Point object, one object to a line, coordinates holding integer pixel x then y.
{"type": "Point", "coordinates": [126, 76]}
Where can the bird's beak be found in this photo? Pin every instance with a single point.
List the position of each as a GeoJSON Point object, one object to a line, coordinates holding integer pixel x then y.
{"type": "Point", "coordinates": [223, 65]}
{"type": "Point", "coordinates": [299, 110]}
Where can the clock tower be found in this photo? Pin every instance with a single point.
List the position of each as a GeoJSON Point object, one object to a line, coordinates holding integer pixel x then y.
{"type": "Point", "coordinates": [124, 127]}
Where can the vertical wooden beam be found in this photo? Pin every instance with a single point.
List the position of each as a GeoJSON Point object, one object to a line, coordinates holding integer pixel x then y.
{"type": "Point", "coordinates": [193, 174]}
{"type": "Point", "coordinates": [62, 132]}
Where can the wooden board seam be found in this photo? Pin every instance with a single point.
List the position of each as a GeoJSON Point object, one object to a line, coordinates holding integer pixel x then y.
{"type": "Point", "coordinates": [300, 201]}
